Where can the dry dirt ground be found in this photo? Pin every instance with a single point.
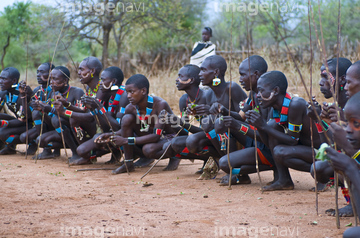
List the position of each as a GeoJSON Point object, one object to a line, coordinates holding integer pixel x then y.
{"type": "Point", "coordinates": [49, 199]}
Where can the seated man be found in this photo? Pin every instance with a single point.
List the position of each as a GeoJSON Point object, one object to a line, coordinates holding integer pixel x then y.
{"type": "Point", "coordinates": [141, 129]}
{"type": "Point", "coordinates": [62, 95]}
{"type": "Point", "coordinates": [84, 123]}
{"type": "Point", "coordinates": [12, 118]}
{"type": "Point", "coordinates": [212, 74]}
{"type": "Point", "coordinates": [110, 103]}
{"type": "Point", "coordinates": [188, 80]}
{"type": "Point", "coordinates": [343, 164]}
{"type": "Point", "coordinates": [287, 133]}
{"type": "Point", "coordinates": [42, 122]}
{"type": "Point", "coordinates": [324, 171]}
{"type": "Point", "coordinates": [244, 161]}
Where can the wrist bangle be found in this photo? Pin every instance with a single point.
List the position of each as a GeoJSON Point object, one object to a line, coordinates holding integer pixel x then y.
{"type": "Point", "coordinates": [244, 129]}
{"type": "Point", "coordinates": [69, 104]}
{"type": "Point", "coordinates": [131, 141]}
{"type": "Point", "coordinates": [68, 113]}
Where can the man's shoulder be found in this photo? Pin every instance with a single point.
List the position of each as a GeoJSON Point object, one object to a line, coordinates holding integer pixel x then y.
{"type": "Point", "coordinates": [297, 102]}
{"type": "Point", "coordinates": [74, 89]}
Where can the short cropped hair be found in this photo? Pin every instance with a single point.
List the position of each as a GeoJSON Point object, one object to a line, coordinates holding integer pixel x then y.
{"type": "Point", "coordinates": [93, 63]}
{"type": "Point", "coordinates": [217, 62]}
{"type": "Point", "coordinates": [193, 72]}
{"type": "Point", "coordinates": [140, 81]}
{"type": "Point", "coordinates": [116, 73]}
{"type": "Point", "coordinates": [13, 73]}
{"type": "Point", "coordinates": [276, 79]}
{"type": "Point", "coordinates": [344, 64]}
{"type": "Point", "coordinates": [65, 71]}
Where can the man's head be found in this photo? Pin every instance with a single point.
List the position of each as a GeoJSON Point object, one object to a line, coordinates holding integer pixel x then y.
{"type": "Point", "coordinates": [352, 85]}
{"type": "Point", "coordinates": [352, 115]}
{"type": "Point", "coordinates": [271, 85]}
{"type": "Point", "coordinates": [206, 34]}
{"type": "Point", "coordinates": [249, 77]}
{"type": "Point", "coordinates": [110, 76]}
{"type": "Point", "coordinates": [42, 73]}
{"type": "Point", "coordinates": [137, 87]}
{"type": "Point", "coordinates": [188, 75]}
{"type": "Point", "coordinates": [212, 67]}
{"type": "Point", "coordinates": [8, 77]}
{"type": "Point", "coordinates": [325, 86]}
{"type": "Point", "coordinates": [59, 78]}
{"type": "Point", "coordinates": [89, 68]}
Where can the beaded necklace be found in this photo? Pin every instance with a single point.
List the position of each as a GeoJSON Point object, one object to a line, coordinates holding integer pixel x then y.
{"type": "Point", "coordinates": [92, 93]}
{"type": "Point", "coordinates": [144, 126]}
{"type": "Point", "coordinates": [282, 117]}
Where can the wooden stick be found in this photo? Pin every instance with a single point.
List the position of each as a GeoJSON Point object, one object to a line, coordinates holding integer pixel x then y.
{"type": "Point", "coordinates": [228, 144]}
{"type": "Point", "coordinates": [47, 84]}
{"type": "Point", "coordinates": [311, 121]}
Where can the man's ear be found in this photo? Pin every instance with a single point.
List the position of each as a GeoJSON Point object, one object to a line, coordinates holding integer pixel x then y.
{"type": "Point", "coordinates": [217, 72]}
{"type": "Point", "coordinates": [276, 90]}
{"type": "Point", "coordinates": [342, 80]}
{"type": "Point", "coordinates": [14, 81]}
{"type": "Point", "coordinates": [257, 73]}
{"type": "Point", "coordinates": [143, 91]}
{"type": "Point", "coordinates": [92, 71]}
{"type": "Point", "coordinates": [192, 80]}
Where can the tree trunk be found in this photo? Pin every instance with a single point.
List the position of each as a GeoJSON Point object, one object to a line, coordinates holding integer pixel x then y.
{"type": "Point", "coordinates": [106, 36]}
{"type": "Point", "coordinates": [4, 52]}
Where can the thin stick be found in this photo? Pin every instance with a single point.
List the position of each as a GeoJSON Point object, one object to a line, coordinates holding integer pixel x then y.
{"type": "Point", "coordinates": [311, 121]}
{"type": "Point", "coordinates": [252, 98]}
{"type": "Point", "coordinates": [26, 104]}
{"type": "Point", "coordinates": [167, 148]}
{"type": "Point", "coordinates": [228, 144]}
{"type": "Point", "coordinates": [92, 169]}
{"type": "Point", "coordinates": [47, 84]}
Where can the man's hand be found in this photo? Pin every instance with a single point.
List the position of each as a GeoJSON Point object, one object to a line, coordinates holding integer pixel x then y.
{"type": "Point", "coordinates": [313, 111]}
{"type": "Point", "coordinates": [255, 119]}
{"type": "Point", "coordinates": [59, 107]}
{"type": "Point", "coordinates": [341, 162]}
{"type": "Point", "coordinates": [90, 103]}
{"type": "Point", "coordinates": [200, 110]}
{"type": "Point", "coordinates": [333, 113]}
{"type": "Point", "coordinates": [229, 121]}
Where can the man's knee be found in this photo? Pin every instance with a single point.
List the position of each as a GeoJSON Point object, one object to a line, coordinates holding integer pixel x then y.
{"type": "Point", "coordinates": [127, 120]}
{"type": "Point", "coordinates": [192, 143]}
{"type": "Point", "coordinates": [178, 145]}
{"type": "Point", "coordinates": [280, 153]}
{"type": "Point", "coordinates": [323, 171]}
{"type": "Point", "coordinates": [223, 163]}
{"type": "Point", "coordinates": [148, 151]}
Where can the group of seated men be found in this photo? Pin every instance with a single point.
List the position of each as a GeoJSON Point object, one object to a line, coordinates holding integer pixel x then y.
{"type": "Point", "coordinates": [268, 129]}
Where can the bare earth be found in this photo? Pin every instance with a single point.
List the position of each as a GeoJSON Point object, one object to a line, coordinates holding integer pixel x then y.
{"type": "Point", "coordinates": [49, 199]}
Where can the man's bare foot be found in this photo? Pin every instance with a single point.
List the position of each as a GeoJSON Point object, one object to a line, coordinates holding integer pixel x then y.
{"type": "Point", "coordinates": [8, 150]}
{"type": "Point", "coordinates": [31, 150]}
{"type": "Point", "coordinates": [279, 186]}
{"type": "Point", "coordinates": [56, 153]}
{"type": "Point", "coordinates": [143, 162]}
{"type": "Point", "coordinates": [77, 160]}
{"type": "Point", "coordinates": [235, 179]}
{"type": "Point", "coordinates": [115, 157]}
{"type": "Point", "coordinates": [200, 171]}
{"type": "Point", "coordinates": [346, 211]}
{"type": "Point", "coordinates": [321, 187]}
{"type": "Point", "coordinates": [172, 165]}
{"type": "Point", "coordinates": [122, 168]}
{"type": "Point", "coordinates": [46, 154]}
